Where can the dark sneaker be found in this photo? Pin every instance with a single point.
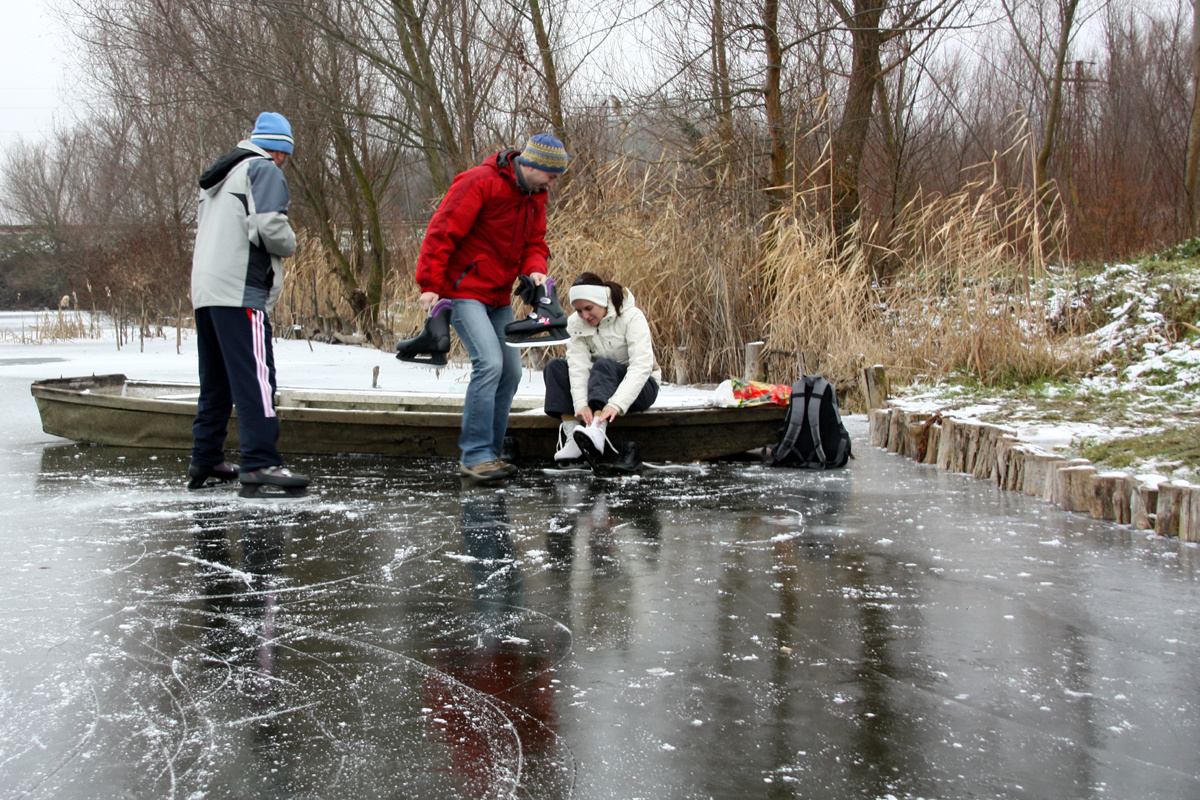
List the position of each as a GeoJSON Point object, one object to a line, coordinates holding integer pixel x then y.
{"type": "Point", "coordinates": [211, 475]}
{"type": "Point", "coordinates": [629, 458]}
{"type": "Point", "coordinates": [493, 470]}
{"type": "Point", "coordinates": [510, 451]}
{"type": "Point", "coordinates": [274, 476]}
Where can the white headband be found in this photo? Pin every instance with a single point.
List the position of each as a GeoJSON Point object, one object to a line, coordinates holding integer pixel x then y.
{"type": "Point", "coordinates": [596, 295]}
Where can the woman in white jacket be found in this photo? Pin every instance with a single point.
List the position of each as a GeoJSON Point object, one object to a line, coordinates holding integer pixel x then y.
{"type": "Point", "coordinates": [609, 370]}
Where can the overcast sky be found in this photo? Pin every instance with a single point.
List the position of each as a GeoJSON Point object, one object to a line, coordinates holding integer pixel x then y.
{"type": "Point", "coordinates": [34, 84]}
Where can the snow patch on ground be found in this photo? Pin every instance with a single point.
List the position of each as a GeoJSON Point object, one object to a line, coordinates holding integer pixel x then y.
{"type": "Point", "coordinates": [1145, 377]}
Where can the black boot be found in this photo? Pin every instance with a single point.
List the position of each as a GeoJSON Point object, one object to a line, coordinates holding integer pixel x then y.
{"type": "Point", "coordinates": [629, 457]}
{"type": "Point", "coordinates": [272, 482]}
{"type": "Point", "coordinates": [546, 325]}
{"type": "Point", "coordinates": [209, 476]}
{"type": "Point", "coordinates": [510, 450]}
{"type": "Point", "coordinates": [430, 346]}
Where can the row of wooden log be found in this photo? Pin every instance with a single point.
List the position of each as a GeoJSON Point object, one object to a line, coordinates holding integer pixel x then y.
{"type": "Point", "coordinates": [1170, 508]}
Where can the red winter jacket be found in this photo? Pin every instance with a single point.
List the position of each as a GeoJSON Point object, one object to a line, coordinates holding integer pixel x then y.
{"type": "Point", "coordinates": [486, 231]}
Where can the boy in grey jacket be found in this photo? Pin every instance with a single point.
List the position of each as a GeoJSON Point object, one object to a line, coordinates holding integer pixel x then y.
{"type": "Point", "coordinates": [242, 232]}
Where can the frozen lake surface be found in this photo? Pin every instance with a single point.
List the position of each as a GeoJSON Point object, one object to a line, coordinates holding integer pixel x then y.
{"type": "Point", "coordinates": [728, 631]}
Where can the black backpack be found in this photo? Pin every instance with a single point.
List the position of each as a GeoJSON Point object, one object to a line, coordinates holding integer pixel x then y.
{"type": "Point", "coordinates": [812, 436]}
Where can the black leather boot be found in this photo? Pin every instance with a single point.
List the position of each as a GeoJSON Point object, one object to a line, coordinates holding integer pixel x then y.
{"type": "Point", "coordinates": [430, 346]}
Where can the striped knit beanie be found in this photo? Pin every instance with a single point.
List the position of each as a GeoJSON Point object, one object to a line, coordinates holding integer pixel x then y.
{"type": "Point", "coordinates": [272, 132]}
{"type": "Point", "coordinates": [544, 152]}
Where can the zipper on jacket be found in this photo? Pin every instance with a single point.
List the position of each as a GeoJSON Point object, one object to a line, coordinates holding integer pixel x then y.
{"type": "Point", "coordinates": [464, 274]}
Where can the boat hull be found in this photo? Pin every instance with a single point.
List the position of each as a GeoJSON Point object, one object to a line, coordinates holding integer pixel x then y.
{"type": "Point", "coordinates": [111, 410]}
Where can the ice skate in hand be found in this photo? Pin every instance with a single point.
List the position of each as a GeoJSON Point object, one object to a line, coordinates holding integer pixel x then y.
{"type": "Point", "coordinates": [429, 347]}
{"type": "Point", "coordinates": [546, 324]}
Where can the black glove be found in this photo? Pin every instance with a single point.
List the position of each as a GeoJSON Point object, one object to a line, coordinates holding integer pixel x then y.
{"type": "Point", "coordinates": [526, 290]}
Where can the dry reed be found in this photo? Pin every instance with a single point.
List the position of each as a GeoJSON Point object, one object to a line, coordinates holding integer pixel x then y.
{"type": "Point", "coordinates": [711, 276]}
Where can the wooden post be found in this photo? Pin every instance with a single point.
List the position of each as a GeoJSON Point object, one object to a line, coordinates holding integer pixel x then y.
{"type": "Point", "coordinates": [917, 439]}
{"type": "Point", "coordinates": [178, 327]}
{"type": "Point", "coordinates": [934, 442]}
{"type": "Point", "coordinates": [1189, 517]}
{"type": "Point", "coordinates": [896, 431]}
{"type": "Point", "coordinates": [681, 373]}
{"type": "Point", "coordinates": [1037, 466]}
{"type": "Point", "coordinates": [1009, 462]}
{"type": "Point", "coordinates": [874, 386]}
{"type": "Point", "coordinates": [1143, 502]}
{"type": "Point", "coordinates": [756, 368]}
{"type": "Point", "coordinates": [142, 328]}
{"type": "Point", "coordinates": [1106, 487]}
{"type": "Point", "coordinates": [1170, 503]}
{"type": "Point", "coordinates": [1074, 488]}
{"type": "Point", "coordinates": [375, 378]}
{"type": "Point", "coordinates": [879, 426]}
{"type": "Point", "coordinates": [1054, 487]}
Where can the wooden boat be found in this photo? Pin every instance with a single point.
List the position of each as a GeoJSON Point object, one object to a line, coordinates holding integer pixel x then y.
{"type": "Point", "coordinates": [110, 409]}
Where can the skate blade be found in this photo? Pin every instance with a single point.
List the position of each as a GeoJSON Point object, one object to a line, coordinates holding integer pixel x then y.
{"type": "Point", "coordinates": [429, 362]}
{"type": "Point", "coordinates": [266, 491]}
{"type": "Point", "coordinates": [537, 343]}
{"type": "Point", "coordinates": [567, 471]}
{"type": "Point", "coordinates": [669, 467]}
{"type": "Point", "coordinates": [211, 484]}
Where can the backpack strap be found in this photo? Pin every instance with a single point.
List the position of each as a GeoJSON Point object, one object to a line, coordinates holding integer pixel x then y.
{"type": "Point", "coordinates": [792, 432]}
{"type": "Point", "coordinates": [815, 389]}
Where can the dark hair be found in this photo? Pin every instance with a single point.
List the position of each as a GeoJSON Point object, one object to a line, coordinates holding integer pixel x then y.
{"type": "Point", "coordinates": [616, 289]}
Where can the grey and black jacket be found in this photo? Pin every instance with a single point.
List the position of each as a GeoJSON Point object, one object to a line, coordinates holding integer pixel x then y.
{"type": "Point", "coordinates": [242, 231]}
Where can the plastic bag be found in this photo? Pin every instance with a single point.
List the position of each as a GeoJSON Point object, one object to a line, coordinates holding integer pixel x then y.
{"type": "Point", "coordinates": [735, 393]}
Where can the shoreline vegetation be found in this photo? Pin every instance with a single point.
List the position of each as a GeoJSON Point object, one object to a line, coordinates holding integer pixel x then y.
{"type": "Point", "coordinates": [1114, 375]}
{"type": "Point", "coordinates": [958, 302]}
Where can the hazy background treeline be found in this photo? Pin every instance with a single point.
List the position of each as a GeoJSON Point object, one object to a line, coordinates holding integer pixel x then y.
{"type": "Point", "coordinates": [885, 178]}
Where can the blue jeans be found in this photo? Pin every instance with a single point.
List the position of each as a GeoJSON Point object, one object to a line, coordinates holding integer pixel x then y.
{"type": "Point", "coordinates": [495, 375]}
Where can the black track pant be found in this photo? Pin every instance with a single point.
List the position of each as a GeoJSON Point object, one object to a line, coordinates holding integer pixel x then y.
{"type": "Point", "coordinates": [237, 368]}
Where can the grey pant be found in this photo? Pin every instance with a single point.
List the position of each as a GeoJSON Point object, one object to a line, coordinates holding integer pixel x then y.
{"type": "Point", "coordinates": [603, 381]}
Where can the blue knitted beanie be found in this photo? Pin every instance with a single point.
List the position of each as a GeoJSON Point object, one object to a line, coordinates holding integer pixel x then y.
{"type": "Point", "coordinates": [544, 152]}
{"type": "Point", "coordinates": [272, 132]}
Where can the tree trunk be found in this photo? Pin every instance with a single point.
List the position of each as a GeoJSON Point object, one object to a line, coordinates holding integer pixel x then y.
{"type": "Point", "coordinates": [437, 130]}
{"type": "Point", "coordinates": [1054, 112]}
{"type": "Point", "coordinates": [721, 92]}
{"type": "Point", "coordinates": [850, 139]}
{"type": "Point", "coordinates": [777, 178]}
{"type": "Point", "coordinates": [1192, 168]}
{"type": "Point", "coordinates": [549, 73]}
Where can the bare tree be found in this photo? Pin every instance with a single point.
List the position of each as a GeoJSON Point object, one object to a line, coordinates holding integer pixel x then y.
{"type": "Point", "coordinates": [872, 25]}
{"type": "Point", "coordinates": [1192, 169]}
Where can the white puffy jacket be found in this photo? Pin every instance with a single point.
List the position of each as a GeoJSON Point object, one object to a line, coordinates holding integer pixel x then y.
{"type": "Point", "coordinates": [624, 338]}
{"type": "Point", "coordinates": [242, 231]}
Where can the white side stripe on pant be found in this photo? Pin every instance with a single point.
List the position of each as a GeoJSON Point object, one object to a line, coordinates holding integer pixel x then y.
{"type": "Point", "coordinates": [259, 338]}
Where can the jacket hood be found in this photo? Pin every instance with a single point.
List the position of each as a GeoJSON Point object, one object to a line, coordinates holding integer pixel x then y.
{"type": "Point", "coordinates": [502, 162]}
{"type": "Point", "coordinates": [627, 304]}
{"type": "Point", "coordinates": [221, 168]}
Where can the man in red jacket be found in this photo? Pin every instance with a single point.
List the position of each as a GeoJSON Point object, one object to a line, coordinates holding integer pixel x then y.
{"type": "Point", "coordinates": [489, 228]}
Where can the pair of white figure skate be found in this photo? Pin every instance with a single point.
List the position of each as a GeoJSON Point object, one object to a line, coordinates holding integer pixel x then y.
{"type": "Point", "coordinates": [578, 441]}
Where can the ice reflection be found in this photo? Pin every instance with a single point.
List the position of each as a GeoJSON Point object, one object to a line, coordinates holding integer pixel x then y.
{"type": "Point", "coordinates": [502, 663]}
{"type": "Point", "coordinates": [721, 631]}
{"type": "Point", "coordinates": [241, 600]}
